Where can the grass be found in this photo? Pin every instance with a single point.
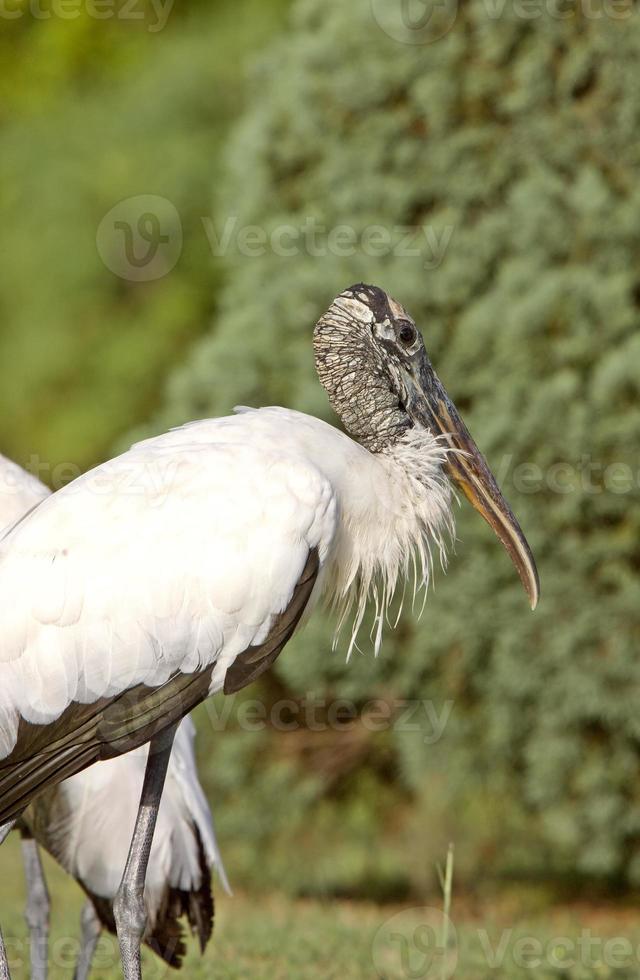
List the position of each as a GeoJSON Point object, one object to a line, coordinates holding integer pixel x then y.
{"type": "Point", "coordinates": [274, 938]}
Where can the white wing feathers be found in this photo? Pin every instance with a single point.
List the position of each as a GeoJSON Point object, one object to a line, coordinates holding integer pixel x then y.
{"type": "Point", "coordinates": [175, 556]}
{"type": "Point", "coordinates": [75, 820]}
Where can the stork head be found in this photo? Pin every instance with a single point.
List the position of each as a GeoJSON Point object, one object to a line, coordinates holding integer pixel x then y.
{"type": "Point", "coordinates": [372, 362]}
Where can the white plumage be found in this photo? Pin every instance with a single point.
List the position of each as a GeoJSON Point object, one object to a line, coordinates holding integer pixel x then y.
{"type": "Point", "coordinates": [148, 565]}
{"type": "Point", "coordinates": [86, 822]}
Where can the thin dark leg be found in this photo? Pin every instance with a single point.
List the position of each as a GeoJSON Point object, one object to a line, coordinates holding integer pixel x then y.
{"type": "Point", "coordinates": [37, 909]}
{"type": "Point", "coordinates": [4, 963]}
{"type": "Point", "coordinates": [91, 929]}
{"type": "Point", "coordinates": [129, 908]}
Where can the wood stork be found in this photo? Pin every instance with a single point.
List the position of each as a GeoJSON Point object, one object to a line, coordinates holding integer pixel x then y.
{"type": "Point", "coordinates": [183, 566]}
{"type": "Point", "coordinates": [85, 822]}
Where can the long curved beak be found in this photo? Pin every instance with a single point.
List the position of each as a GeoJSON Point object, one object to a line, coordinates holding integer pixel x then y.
{"type": "Point", "coordinates": [431, 406]}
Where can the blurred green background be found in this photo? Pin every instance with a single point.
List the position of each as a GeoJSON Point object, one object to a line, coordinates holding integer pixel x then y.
{"type": "Point", "coordinates": [498, 154]}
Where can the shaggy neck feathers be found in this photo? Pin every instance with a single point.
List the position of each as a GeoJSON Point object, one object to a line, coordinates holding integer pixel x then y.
{"type": "Point", "coordinates": [407, 516]}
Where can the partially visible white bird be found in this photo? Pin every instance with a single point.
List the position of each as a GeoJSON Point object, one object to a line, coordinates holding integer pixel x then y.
{"type": "Point", "coordinates": [183, 567]}
{"type": "Point", "coordinates": [86, 823]}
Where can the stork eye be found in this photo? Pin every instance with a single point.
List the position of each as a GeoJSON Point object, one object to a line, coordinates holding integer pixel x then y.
{"type": "Point", "coordinates": [407, 335]}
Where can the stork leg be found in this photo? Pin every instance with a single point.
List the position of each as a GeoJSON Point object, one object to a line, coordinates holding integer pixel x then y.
{"type": "Point", "coordinates": [91, 928]}
{"type": "Point", "coordinates": [128, 908]}
{"type": "Point", "coordinates": [4, 963]}
{"type": "Point", "coordinates": [5, 829]}
{"type": "Point", "coordinates": [37, 908]}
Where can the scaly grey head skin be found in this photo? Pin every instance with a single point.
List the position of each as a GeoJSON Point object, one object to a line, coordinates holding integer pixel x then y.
{"type": "Point", "coordinates": [372, 362]}
{"type": "Point", "coordinates": [359, 348]}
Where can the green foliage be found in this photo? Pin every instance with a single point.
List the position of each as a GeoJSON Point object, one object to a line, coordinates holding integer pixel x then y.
{"type": "Point", "coordinates": [99, 111]}
{"type": "Point", "coordinates": [512, 136]}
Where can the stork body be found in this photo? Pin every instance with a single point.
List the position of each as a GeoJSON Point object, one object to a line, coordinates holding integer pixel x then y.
{"type": "Point", "coordinates": [87, 821]}
{"type": "Point", "coordinates": [183, 566]}
{"type": "Point", "coordinates": [112, 585]}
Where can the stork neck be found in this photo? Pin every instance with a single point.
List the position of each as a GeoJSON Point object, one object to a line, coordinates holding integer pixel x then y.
{"type": "Point", "coordinates": [395, 505]}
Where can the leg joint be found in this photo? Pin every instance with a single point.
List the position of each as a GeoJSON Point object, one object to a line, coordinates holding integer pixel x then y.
{"type": "Point", "coordinates": [129, 909]}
